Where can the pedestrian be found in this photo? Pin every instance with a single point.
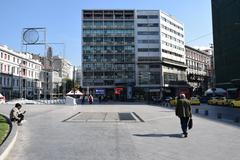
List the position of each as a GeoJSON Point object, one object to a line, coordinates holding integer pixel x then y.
{"type": "Point", "coordinates": [16, 115]}
{"type": "Point", "coordinates": [90, 99]}
{"type": "Point", "coordinates": [184, 112]}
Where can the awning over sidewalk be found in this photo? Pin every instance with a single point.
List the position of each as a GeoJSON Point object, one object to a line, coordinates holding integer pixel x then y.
{"type": "Point", "coordinates": [216, 91]}
{"type": "Point", "coordinates": [77, 93]}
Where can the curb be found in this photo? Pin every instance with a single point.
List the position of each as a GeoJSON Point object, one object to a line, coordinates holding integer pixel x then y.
{"type": "Point", "coordinates": [9, 141]}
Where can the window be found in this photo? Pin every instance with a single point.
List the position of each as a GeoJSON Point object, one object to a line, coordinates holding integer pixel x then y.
{"type": "Point", "coordinates": [170, 77]}
{"type": "Point", "coordinates": [148, 25]}
{"type": "Point", "coordinates": [149, 41]}
{"type": "Point", "coordinates": [148, 49]}
{"type": "Point", "coordinates": [13, 70]}
{"type": "Point", "coordinates": [8, 84]}
{"type": "Point", "coordinates": [153, 16]}
{"type": "Point", "coordinates": [142, 17]}
{"type": "Point", "coordinates": [148, 33]}
{"type": "Point", "coordinates": [4, 81]}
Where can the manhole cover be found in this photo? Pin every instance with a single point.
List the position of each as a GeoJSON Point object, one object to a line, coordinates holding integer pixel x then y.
{"type": "Point", "coordinates": [104, 117]}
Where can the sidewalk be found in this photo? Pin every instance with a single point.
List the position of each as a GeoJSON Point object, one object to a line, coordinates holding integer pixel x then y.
{"type": "Point", "coordinates": [45, 136]}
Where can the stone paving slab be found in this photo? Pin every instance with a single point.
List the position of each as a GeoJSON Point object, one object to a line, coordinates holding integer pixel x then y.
{"type": "Point", "coordinates": [45, 136]}
{"type": "Point", "coordinates": [112, 117]}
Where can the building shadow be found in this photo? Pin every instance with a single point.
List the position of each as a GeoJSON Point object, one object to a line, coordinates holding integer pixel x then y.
{"type": "Point", "coordinates": [159, 135]}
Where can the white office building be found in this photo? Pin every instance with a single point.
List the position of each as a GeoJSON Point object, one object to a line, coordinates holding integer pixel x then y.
{"type": "Point", "coordinates": [160, 53]}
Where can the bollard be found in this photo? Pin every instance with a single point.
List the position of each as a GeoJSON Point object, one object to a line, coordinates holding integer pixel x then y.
{"type": "Point", "coordinates": [236, 119]}
{"type": "Point", "coordinates": [196, 110]}
{"type": "Point", "coordinates": [206, 112]}
{"type": "Point", "coordinates": [219, 115]}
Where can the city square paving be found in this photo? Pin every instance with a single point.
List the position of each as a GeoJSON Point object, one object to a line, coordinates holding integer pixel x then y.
{"type": "Point", "coordinates": [93, 132]}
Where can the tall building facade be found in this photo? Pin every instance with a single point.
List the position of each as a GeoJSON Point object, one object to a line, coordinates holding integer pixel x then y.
{"type": "Point", "coordinates": [172, 50]}
{"type": "Point", "coordinates": [131, 49]}
{"type": "Point", "coordinates": [148, 52]}
{"type": "Point", "coordinates": [108, 50]}
{"type": "Point", "coordinates": [198, 69]}
{"type": "Point", "coordinates": [19, 74]}
{"type": "Point", "coordinates": [226, 33]}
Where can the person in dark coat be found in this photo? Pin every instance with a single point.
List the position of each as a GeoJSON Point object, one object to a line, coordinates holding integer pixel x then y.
{"type": "Point", "coordinates": [184, 112]}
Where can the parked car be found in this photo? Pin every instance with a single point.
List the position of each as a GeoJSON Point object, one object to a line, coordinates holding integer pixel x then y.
{"type": "Point", "coordinates": [222, 101]}
{"type": "Point", "coordinates": [212, 101]}
{"type": "Point", "coordinates": [194, 101]}
{"type": "Point", "coordinates": [235, 103]}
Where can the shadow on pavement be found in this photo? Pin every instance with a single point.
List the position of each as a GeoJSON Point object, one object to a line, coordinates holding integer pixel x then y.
{"type": "Point", "coordinates": [159, 135]}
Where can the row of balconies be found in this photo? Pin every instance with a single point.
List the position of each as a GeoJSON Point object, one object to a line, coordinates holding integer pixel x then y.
{"type": "Point", "coordinates": [197, 68]}
{"type": "Point", "coordinates": [107, 27]}
{"type": "Point", "coordinates": [110, 52]}
{"type": "Point", "coordinates": [98, 69]}
{"type": "Point", "coordinates": [107, 17]}
{"type": "Point", "coordinates": [107, 43]}
{"type": "Point", "coordinates": [108, 35]}
{"type": "Point", "coordinates": [127, 60]}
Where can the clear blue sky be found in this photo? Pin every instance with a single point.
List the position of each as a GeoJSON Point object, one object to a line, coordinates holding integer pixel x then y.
{"type": "Point", "coordinates": [62, 18]}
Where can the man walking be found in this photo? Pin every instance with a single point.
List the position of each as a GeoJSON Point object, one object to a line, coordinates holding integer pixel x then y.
{"type": "Point", "coordinates": [184, 112]}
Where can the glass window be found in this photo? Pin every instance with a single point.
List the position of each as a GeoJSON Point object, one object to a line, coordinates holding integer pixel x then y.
{"type": "Point", "coordinates": [108, 23]}
{"type": "Point", "coordinates": [142, 16]}
{"type": "Point", "coordinates": [148, 33]}
{"type": "Point", "coordinates": [153, 16]}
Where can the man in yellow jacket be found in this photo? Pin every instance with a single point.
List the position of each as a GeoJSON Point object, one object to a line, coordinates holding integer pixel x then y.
{"type": "Point", "coordinates": [184, 112]}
